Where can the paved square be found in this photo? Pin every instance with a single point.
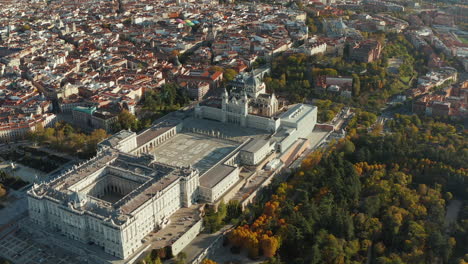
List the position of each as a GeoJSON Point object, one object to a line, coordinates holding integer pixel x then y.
{"type": "Point", "coordinates": [198, 150]}
{"type": "Point", "coordinates": [19, 248]}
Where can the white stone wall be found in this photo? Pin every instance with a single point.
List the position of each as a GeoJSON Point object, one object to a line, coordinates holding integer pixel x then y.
{"type": "Point", "coordinates": [253, 158]}
{"type": "Point", "coordinates": [219, 189]}
{"type": "Point", "coordinates": [288, 141]}
{"type": "Point", "coordinates": [36, 210]}
{"type": "Point", "coordinates": [307, 124]}
{"type": "Point", "coordinates": [186, 238]}
{"type": "Point", "coordinates": [76, 225]}
{"type": "Point", "coordinates": [252, 121]}
{"type": "Point", "coordinates": [262, 123]}
{"type": "Point", "coordinates": [319, 48]}
{"type": "Point", "coordinates": [120, 241]}
{"type": "Point", "coordinates": [147, 147]}
{"type": "Point", "coordinates": [205, 193]}
{"type": "Point", "coordinates": [210, 113]}
{"type": "Point", "coordinates": [307, 120]}
{"type": "Point", "coordinates": [189, 189]}
{"type": "Point", "coordinates": [128, 144]}
{"type": "Point", "coordinates": [300, 128]}
{"type": "Point", "coordinates": [7, 134]}
{"type": "Point", "coordinates": [150, 215]}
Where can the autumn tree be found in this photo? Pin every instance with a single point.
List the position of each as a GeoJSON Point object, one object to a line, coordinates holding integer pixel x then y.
{"type": "Point", "coordinates": [356, 85]}
{"type": "Point", "coordinates": [3, 191]}
{"type": "Point", "coordinates": [269, 245]}
{"type": "Point", "coordinates": [208, 261]}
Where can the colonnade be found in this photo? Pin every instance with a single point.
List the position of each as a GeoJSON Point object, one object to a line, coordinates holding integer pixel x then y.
{"type": "Point", "coordinates": [112, 184]}
{"type": "Point", "coordinates": [156, 141]}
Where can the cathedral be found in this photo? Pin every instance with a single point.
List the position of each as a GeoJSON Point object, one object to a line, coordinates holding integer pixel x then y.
{"type": "Point", "coordinates": [248, 105]}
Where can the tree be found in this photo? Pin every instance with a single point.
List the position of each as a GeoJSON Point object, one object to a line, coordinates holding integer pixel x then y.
{"type": "Point", "coordinates": [3, 190]}
{"type": "Point", "coordinates": [92, 140]}
{"type": "Point", "coordinates": [49, 133]}
{"type": "Point", "coordinates": [273, 260]}
{"type": "Point", "coordinates": [393, 259]}
{"type": "Point", "coordinates": [77, 141]}
{"type": "Point", "coordinates": [97, 136]}
{"type": "Point", "coordinates": [327, 115]}
{"type": "Point", "coordinates": [148, 259]}
{"type": "Point", "coordinates": [127, 120]}
{"type": "Point", "coordinates": [234, 209]}
{"type": "Point", "coordinates": [160, 253]}
{"type": "Point", "coordinates": [325, 71]}
{"type": "Point", "coordinates": [208, 261]}
{"type": "Point", "coordinates": [127, 22]}
{"type": "Point", "coordinates": [64, 138]}
{"type": "Point", "coordinates": [158, 261]}
{"type": "Point", "coordinates": [371, 205]}
{"type": "Point", "coordinates": [3, 261]}
{"type": "Point", "coordinates": [214, 220]}
{"type": "Point", "coordinates": [24, 28]}
{"type": "Point", "coordinates": [229, 74]}
{"type": "Point", "coordinates": [356, 85]}
{"type": "Point", "coordinates": [181, 258]}
{"type": "Point", "coordinates": [369, 193]}
{"type": "Point", "coordinates": [313, 29]}
{"type": "Point", "coordinates": [37, 136]}
{"type": "Point", "coordinates": [348, 147]}
{"type": "Point", "coordinates": [448, 196]}
{"type": "Point", "coordinates": [332, 248]}
{"type": "Point", "coordinates": [269, 245]}
{"type": "Point", "coordinates": [316, 255]}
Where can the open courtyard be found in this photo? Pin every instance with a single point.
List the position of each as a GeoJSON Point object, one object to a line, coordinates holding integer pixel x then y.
{"type": "Point", "coordinates": [200, 151]}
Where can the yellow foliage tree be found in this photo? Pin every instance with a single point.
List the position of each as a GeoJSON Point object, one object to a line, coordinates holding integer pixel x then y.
{"type": "Point", "coordinates": [208, 261]}
{"type": "Point", "coordinates": [3, 191]}
{"type": "Point", "coordinates": [269, 245]}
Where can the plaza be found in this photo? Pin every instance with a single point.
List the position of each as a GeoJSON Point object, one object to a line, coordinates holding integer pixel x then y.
{"type": "Point", "coordinates": [198, 150]}
{"type": "Point", "coordinates": [19, 246]}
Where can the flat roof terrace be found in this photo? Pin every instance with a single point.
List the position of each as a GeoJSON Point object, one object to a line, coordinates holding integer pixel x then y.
{"type": "Point", "coordinates": [200, 151]}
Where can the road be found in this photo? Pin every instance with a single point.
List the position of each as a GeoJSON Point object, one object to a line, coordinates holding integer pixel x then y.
{"type": "Point", "coordinates": [453, 209]}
